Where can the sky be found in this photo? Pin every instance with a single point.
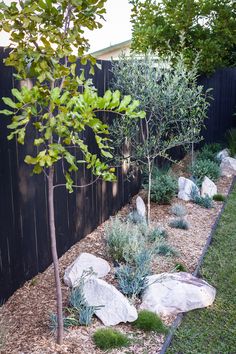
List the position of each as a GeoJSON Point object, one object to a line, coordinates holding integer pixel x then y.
{"type": "Point", "coordinates": [116, 28]}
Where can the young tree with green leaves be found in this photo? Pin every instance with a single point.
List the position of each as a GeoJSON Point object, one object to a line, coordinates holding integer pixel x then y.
{"type": "Point", "coordinates": [207, 26]}
{"type": "Point", "coordinates": [176, 108]}
{"type": "Point", "coordinates": [44, 36]}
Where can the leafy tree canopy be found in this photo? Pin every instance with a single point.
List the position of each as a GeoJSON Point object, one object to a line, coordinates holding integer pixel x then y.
{"type": "Point", "coordinates": [61, 104]}
{"type": "Point", "coordinates": [207, 27]}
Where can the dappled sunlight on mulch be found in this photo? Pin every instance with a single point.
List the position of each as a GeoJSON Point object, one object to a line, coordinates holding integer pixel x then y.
{"type": "Point", "coordinates": [26, 313]}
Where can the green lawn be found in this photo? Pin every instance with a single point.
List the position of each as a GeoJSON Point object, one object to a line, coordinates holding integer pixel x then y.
{"type": "Point", "coordinates": [213, 330]}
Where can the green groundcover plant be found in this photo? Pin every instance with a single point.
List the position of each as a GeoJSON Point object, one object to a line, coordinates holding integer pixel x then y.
{"type": "Point", "coordinates": [108, 338]}
{"type": "Point", "coordinates": [148, 321]}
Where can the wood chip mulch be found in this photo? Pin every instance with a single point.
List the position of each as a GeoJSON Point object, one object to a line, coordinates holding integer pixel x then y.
{"type": "Point", "coordinates": [26, 313]}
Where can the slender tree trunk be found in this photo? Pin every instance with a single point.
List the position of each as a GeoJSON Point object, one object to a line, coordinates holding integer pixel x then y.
{"type": "Point", "coordinates": [149, 192]}
{"type": "Point", "coordinates": [192, 153]}
{"type": "Point", "coordinates": [55, 256]}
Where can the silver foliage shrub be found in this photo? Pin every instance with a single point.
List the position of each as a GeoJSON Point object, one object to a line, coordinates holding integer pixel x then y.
{"type": "Point", "coordinates": [178, 210]}
{"type": "Point", "coordinates": [124, 239]}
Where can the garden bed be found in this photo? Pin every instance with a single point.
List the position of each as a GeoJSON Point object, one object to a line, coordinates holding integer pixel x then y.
{"type": "Point", "coordinates": [27, 312]}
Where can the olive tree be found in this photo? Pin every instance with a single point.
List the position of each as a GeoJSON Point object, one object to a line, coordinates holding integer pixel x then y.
{"type": "Point", "coordinates": [60, 105]}
{"type": "Point", "coordinates": [176, 108]}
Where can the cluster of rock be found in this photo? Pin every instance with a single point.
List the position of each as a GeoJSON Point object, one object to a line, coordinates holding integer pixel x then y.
{"type": "Point", "coordinates": [186, 186]}
{"type": "Point", "coordinates": [166, 294]}
{"type": "Point", "coordinates": [228, 164]}
{"type": "Point", "coordinates": [227, 168]}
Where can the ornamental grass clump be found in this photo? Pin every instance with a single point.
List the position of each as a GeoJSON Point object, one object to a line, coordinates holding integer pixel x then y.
{"type": "Point", "coordinates": [68, 321]}
{"type": "Point", "coordinates": [79, 309]}
{"type": "Point", "coordinates": [149, 322]}
{"type": "Point", "coordinates": [179, 224]}
{"type": "Point", "coordinates": [157, 233]}
{"type": "Point", "coordinates": [163, 249]}
{"type": "Point", "coordinates": [107, 338]}
{"type": "Point", "coordinates": [136, 218]}
{"type": "Point", "coordinates": [219, 198]}
{"type": "Point", "coordinates": [132, 277]}
{"type": "Point", "coordinates": [202, 168]}
{"type": "Point", "coordinates": [205, 202]}
{"type": "Point", "coordinates": [179, 267]}
{"type": "Point", "coordinates": [178, 210]}
{"type": "Point", "coordinates": [124, 239]}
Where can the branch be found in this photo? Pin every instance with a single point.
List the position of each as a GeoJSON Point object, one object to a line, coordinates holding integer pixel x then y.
{"type": "Point", "coordinates": [77, 186]}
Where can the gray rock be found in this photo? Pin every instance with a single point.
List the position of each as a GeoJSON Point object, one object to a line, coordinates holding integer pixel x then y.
{"type": "Point", "coordinates": [172, 293]}
{"type": "Point", "coordinates": [185, 187]}
{"type": "Point", "coordinates": [116, 308]}
{"type": "Point", "coordinates": [140, 206]}
{"type": "Point", "coordinates": [228, 167]}
{"type": "Point", "coordinates": [84, 262]}
{"type": "Point", "coordinates": [208, 187]}
{"type": "Point", "coordinates": [222, 154]}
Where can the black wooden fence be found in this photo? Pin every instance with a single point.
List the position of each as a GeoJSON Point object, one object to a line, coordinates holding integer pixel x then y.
{"type": "Point", "coordinates": [24, 232]}
{"type": "Point", "coordinates": [221, 112]}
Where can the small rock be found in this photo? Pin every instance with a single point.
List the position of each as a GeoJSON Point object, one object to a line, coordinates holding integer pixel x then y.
{"type": "Point", "coordinates": [140, 206]}
{"type": "Point", "coordinates": [172, 293]}
{"type": "Point", "coordinates": [185, 188]}
{"type": "Point", "coordinates": [228, 167]}
{"type": "Point", "coordinates": [222, 154]}
{"type": "Point", "coordinates": [84, 262]}
{"type": "Point", "coordinates": [208, 187]}
{"type": "Point", "coordinates": [116, 308]}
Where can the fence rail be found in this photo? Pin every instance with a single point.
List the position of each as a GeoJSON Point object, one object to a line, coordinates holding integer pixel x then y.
{"type": "Point", "coordinates": [24, 232]}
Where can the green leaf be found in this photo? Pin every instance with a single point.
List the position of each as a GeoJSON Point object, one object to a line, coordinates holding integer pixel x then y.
{"type": "Point", "coordinates": [69, 182]}
{"type": "Point", "coordinates": [38, 142]}
{"type": "Point", "coordinates": [83, 60]}
{"type": "Point", "coordinates": [106, 154]}
{"type": "Point", "coordinates": [92, 71]}
{"type": "Point", "coordinates": [72, 58]}
{"type": "Point", "coordinates": [17, 94]}
{"type": "Point", "coordinates": [55, 93]}
{"type": "Point", "coordinates": [115, 100]}
{"type": "Point", "coordinates": [124, 103]}
{"type": "Point", "coordinates": [64, 97]}
{"type": "Point", "coordinates": [8, 101]}
{"type": "Point", "coordinates": [37, 169]}
{"type": "Point", "coordinates": [72, 69]}
{"type": "Point", "coordinates": [6, 112]}
{"type": "Point", "coordinates": [30, 160]}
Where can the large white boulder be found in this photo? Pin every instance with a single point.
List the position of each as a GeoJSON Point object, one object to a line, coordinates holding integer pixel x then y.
{"type": "Point", "coordinates": [208, 187]}
{"type": "Point", "coordinates": [85, 262]}
{"type": "Point", "coordinates": [172, 293]}
{"type": "Point", "coordinates": [140, 206]}
{"type": "Point", "coordinates": [185, 187]}
{"type": "Point", "coordinates": [228, 167]}
{"type": "Point", "coordinates": [222, 154]}
{"type": "Point", "coordinates": [116, 307]}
